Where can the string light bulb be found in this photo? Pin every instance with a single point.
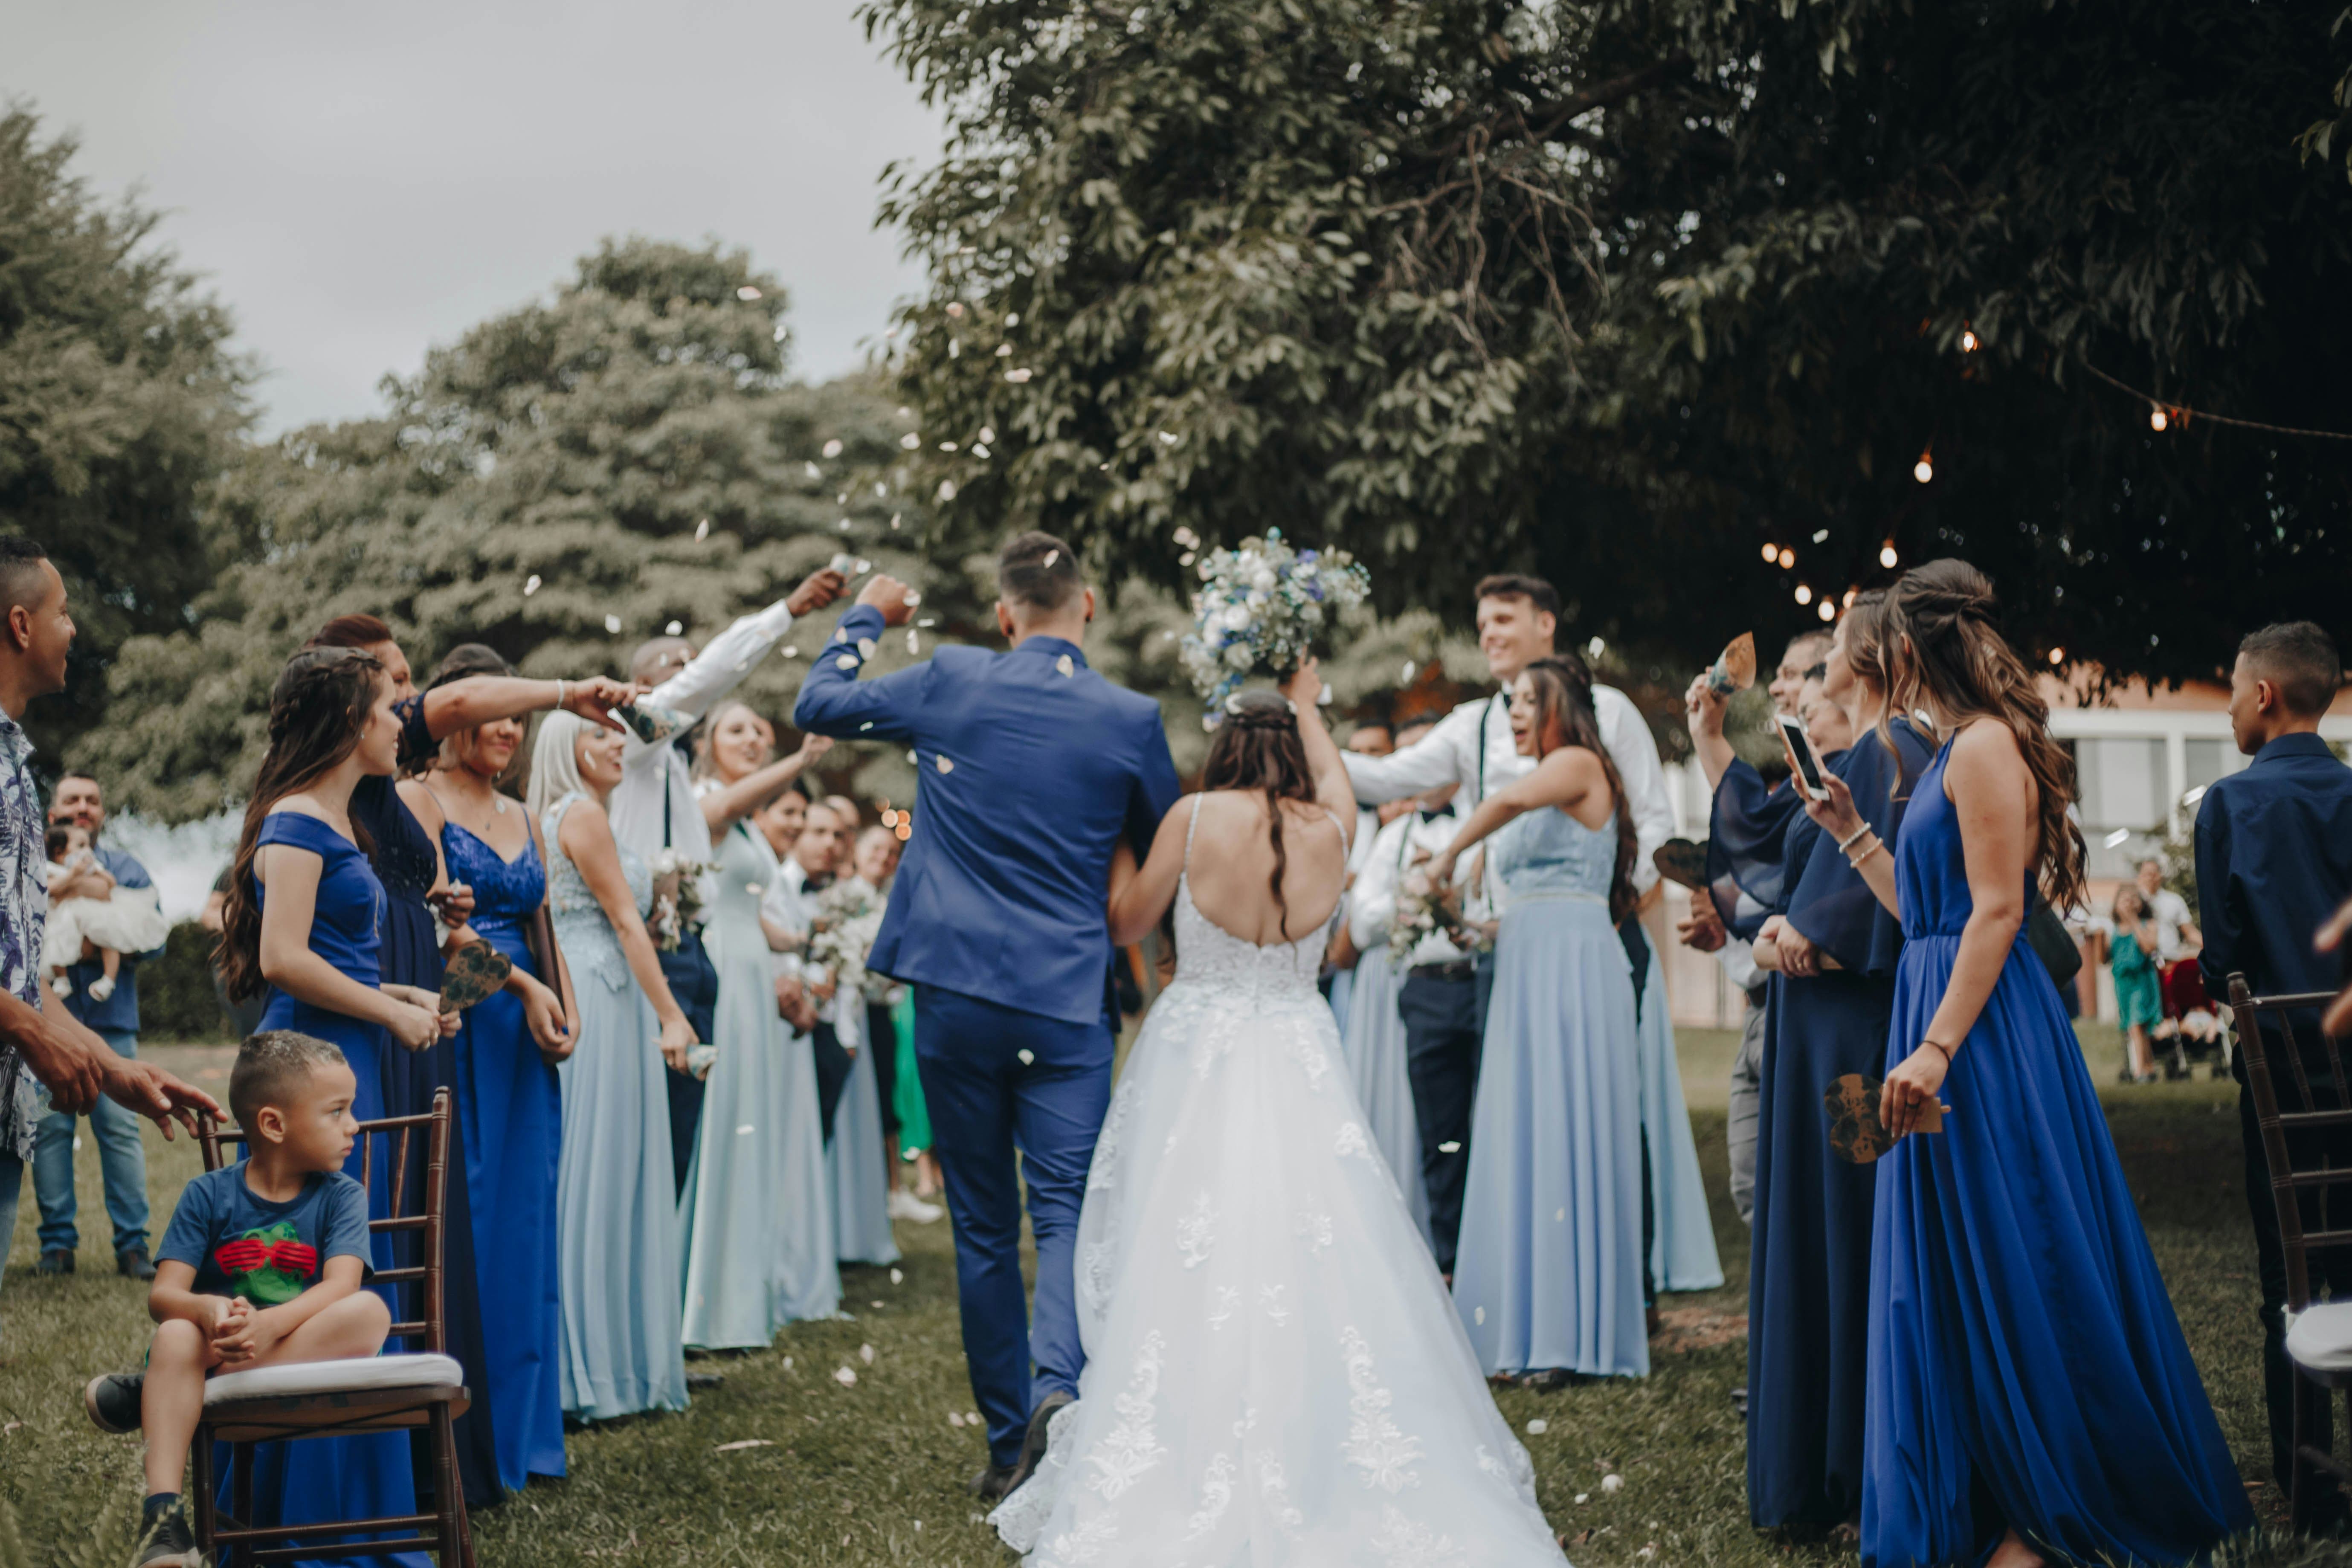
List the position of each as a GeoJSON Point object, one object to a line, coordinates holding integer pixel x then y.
{"type": "Point", "coordinates": [1925, 469]}
{"type": "Point", "coordinates": [1772, 554]}
{"type": "Point", "coordinates": [1886, 555]}
{"type": "Point", "coordinates": [1804, 594]}
{"type": "Point", "coordinates": [1851, 595]}
{"type": "Point", "coordinates": [1968, 340]}
{"type": "Point", "coordinates": [1828, 611]}
{"type": "Point", "coordinates": [2058, 656]}
{"type": "Point", "coordinates": [2157, 417]}
{"type": "Point", "coordinates": [1788, 557]}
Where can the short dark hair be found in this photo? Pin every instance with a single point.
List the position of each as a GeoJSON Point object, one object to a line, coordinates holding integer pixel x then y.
{"type": "Point", "coordinates": [81, 773]}
{"type": "Point", "coordinates": [55, 836]}
{"type": "Point", "coordinates": [2300, 660]}
{"type": "Point", "coordinates": [1511, 586]}
{"type": "Point", "coordinates": [20, 569]}
{"type": "Point", "coordinates": [271, 1065]}
{"type": "Point", "coordinates": [467, 659]}
{"type": "Point", "coordinates": [351, 631]}
{"type": "Point", "coordinates": [1037, 571]}
{"type": "Point", "coordinates": [1817, 671]}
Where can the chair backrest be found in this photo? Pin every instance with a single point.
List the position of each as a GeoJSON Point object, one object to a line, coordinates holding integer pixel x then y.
{"type": "Point", "coordinates": [424, 1224]}
{"type": "Point", "coordinates": [2260, 1021]}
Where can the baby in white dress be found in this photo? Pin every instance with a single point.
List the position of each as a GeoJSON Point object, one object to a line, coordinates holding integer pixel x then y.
{"type": "Point", "coordinates": [130, 919]}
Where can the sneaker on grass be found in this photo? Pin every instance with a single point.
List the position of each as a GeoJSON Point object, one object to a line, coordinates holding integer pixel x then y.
{"type": "Point", "coordinates": [113, 1401]}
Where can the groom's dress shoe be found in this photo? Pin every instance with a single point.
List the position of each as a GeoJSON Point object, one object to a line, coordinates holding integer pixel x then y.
{"type": "Point", "coordinates": [993, 1482]}
{"type": "Point", "coordinates": [1033, 1442]}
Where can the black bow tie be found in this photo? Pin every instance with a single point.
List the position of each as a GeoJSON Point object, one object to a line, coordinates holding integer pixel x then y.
{"type": "Point", "coordinates": [1442, 812]}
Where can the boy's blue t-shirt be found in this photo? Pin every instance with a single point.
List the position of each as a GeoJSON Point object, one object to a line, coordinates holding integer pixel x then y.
{"type": "Point", "coordinates": [241, 1244]}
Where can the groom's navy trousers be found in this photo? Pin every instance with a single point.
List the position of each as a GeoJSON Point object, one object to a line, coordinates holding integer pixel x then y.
{"type": "Point", "coordinates": [985, 1103]}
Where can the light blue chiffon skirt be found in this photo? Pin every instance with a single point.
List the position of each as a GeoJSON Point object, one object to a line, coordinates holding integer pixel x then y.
{"type": "Point", "coordinates": [855, 1170]}
{"type": "Point", "coordinates": [1549, 1272]}
{"type": "Point", "coordinates": [1371, 1039]}
{"type": "Point", "coordinates": [616, 1206]}
{"type": "Point", "coordinates": [1682, 1247]}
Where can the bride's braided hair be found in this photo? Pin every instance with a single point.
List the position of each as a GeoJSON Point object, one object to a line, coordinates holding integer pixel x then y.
{"type": "Point", "coordinates": [1257, 747]}
{"type": "Point", "coordinates": [1943, 645]}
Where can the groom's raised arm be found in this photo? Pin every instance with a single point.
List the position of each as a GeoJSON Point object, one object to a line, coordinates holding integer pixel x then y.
{"type": "Point", "coordinates": [1437, 758]}
{"type": "Point", "coordinates": [834, 701]}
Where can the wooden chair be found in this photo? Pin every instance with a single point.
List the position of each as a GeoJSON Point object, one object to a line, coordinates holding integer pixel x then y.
{"type": "Point", "coordinates": [2318, 1338]}
{"type": "Point", "coordinates": [342, 1398]}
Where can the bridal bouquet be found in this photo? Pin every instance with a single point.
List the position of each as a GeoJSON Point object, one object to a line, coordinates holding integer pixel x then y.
{"type": "Point", "coordinates": [677, 897]}
{"type": "Point", "coordinates": [848, 918]}
{"type": "Point", "coordinates": [1261, 605]}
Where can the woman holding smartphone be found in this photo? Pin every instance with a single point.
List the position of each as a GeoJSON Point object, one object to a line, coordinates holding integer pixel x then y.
{"type": "Point", "coordinates": [2030, 1394]}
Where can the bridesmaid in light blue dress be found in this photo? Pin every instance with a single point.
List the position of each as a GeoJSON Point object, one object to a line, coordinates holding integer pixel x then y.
{"type": "Point", "coordinates": [759, 1230]}
{"type": "Point", "coordinates": [620, 1350]}
{"type": "Point", "coordinates": [1547, 1276]}
{"type": "Point", "coordinates": [1371, 1035]}
{"type": "Point", "coordinates": [855, 1163]}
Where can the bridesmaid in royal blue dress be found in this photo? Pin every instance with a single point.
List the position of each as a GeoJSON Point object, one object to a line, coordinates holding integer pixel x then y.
{"type": "Point", "coordinates": [1833, 950]}
{"type": "Point", "coordinates": [510, 1103]}
{"type": "Point", "coordinates": [2030, 1394]}
{"type": "Point", "coordinates": [1547, 1277]}
{"type": "Point", "coordinates": [302, 919]}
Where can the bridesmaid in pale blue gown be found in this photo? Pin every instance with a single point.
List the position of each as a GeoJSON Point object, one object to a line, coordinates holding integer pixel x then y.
{"type": "Point", "coordinates": [759, 1249]}
{"type": "Point", "coordinates": [856, 1164]}
{"type": "Point", "coordinates": [615, 1199]}
{"type": "Point", "coordinates": [1547, 1274]}
{"type": "Point", "coordinates": [1372, 1034]}
{"type": "Point", "coordinates": [2030, 1396]}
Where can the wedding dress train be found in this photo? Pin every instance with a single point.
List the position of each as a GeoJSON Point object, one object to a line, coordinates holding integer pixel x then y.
{"type": "Point", "coordinates": [1275, 1373]}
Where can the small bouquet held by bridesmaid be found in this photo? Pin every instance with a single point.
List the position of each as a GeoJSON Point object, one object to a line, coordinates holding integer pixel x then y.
{"type": "Point", "coordinates": [1423, 911]}
{"type": "Point", "coordinates": [677, 897]}
{"type": "Point", "coordinates": [1261, 605]}
{"type": "Point", "coordinates": [848, 918]}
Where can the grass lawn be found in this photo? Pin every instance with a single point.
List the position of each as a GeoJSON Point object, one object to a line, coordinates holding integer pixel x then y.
{"type": "Point", "coordinates": [872, 1473]}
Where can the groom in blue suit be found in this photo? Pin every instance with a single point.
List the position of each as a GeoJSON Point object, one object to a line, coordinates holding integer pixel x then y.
{"type": "Point", "coordinates": [1033, 768]}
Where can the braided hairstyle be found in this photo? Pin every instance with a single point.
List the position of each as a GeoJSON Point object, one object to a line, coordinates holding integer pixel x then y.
{"type": "Point", "coordinates": [1563, 692]}
{"type": "Point", "coordinates": [317, 709]}
{"type": "Point", "coordinates": [1946, 647]}
{"type": "Point", "coordinates": [1866, 651]}
{"type": "Point", "coordinates": [1257, 747]}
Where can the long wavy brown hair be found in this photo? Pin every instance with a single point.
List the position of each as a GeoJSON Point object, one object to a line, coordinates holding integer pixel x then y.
{"type": "Point", "coordinates": [1564, 699]}
{"type": "Point", "coordinates": [1865, 640]}
{"type": "Point", "coordinates": [1946, 647]}
{"type": "Point", "coordinates": [317, 709]}
{"type": "Point", "coordinates": [1257, 747]}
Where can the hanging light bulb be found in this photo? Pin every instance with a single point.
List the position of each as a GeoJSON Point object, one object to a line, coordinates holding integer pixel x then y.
{"type": "Point", "coordinates": [1804, 594]}
{"type": "Point", "coordinates": [2158, 419]}
{"type": "Point", "coordinates": [1828, 611]}
{"type": "Point", "coordinates": [2057, 656]}
{"type": "Point", "coordinates": [1772, 554]}
{"type": "Point", "coordinates": [1925, 469]}
{"type": "Point", "coordinates": [1887, 556]}
{"type": "Point", "coordinates": [1788, 557]}
{"type": "Point", "coordinates": [1967, 341]}
{"type": "Point", "coordinates": [1850, 593]}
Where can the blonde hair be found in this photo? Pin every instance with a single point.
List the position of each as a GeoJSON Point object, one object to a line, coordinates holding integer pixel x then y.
{"type": "Point", "coordinates": [555, 764]}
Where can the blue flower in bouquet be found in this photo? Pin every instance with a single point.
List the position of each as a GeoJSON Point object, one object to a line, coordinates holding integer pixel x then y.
{"type": "Point", "coordinates": [1261, 605]}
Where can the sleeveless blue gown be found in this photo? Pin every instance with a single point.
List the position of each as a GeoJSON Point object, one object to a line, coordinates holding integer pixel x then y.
{"type": "Point", "coordinates": [513, 1118]}
{"type": "Point", "coordinates": [2025, 1364]}
{"type": "Point", "coordinates": [1548, 1273]}
{"type": "Point", "coordinates": [615, 1198]}
{"type": "Point", "coordinates": [1808, 1268]}
{"type": "Point", "coordinates": [335, 1477]}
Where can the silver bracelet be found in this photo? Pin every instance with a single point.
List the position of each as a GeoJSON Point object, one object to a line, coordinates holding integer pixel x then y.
{"type": "Point", "coordinates": [1848, 841]}
{"type": "Point", "coordinates": [559, 693]}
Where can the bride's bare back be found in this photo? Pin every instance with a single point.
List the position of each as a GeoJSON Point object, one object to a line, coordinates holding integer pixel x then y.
{"type": "Point", "coordinates": [1234, 863]}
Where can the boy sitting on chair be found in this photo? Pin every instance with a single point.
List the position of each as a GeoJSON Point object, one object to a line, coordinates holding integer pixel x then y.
{"type": "Point", "coordinates": [262, 1265]}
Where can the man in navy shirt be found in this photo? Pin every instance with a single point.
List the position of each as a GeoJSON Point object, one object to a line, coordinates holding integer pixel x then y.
{"type": "Point", "coordinates": [2273, 862]}
{"type": "Point", "coordinates": [121, 1159]}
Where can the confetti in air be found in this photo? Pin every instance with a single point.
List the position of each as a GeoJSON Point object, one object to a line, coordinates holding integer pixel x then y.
{"type": "Point", "coordinates": [1068, 665]}
{"type": "Point", "coordinates": [812, 471]}
{"type": "Point", "coordinates": [673, 628]}
{"type": "Point", "coordinates": [742, 1443]}
{"type": "Point", "coordinates": [531, 585]}
{"type": "Point", "coordinates": [613, 625]}
{"type": "Point", "coordinates": [1017, 377]}
{"type": "Point", "coordinates": [845, 1377]}
{"type": "Point", "coordinates": [945, 767]}
{"type": "Point", "coordinates": [980, 449]}
{"type": "Point", "coordinates": [1612, 1483]}
{"type": "Point", "coordinates": [988, 432]}
{"type": "Point", "coordinates": [833, 448]}
{"type": "Point", "coordinates": [702, 531]}
{"type": "Point", "coordinates": [1005, 351]}
{"type": "Point", "coordinates": [896, 1277]}
{"type": "Point", "coordinates": [865, 1352]}
{"type": "Point", "coordinates": [913, 644]}
{"type": "Point", "coordinates": [910, 440]}
{"type": "Point", "coordinates": [846, 661]}
{"type": "Point", "coordinates": [955, 310]}
{"type": "Point", "coordinates": [947, 490]}
{"type": "Point", "coordinates": [1538, 1427]}
{"type": "Point", "coordinates": [747, 293]}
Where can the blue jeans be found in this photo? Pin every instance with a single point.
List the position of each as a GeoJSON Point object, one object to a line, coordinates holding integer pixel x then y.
{"type": "Point", "coordinates": [122, 1161]}
{"type": "Point", "coordinates": [986, 1102]}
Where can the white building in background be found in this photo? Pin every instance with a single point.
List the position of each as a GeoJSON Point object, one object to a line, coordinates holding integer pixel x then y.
{"type": "Point", "coordinates": [2143, 758]}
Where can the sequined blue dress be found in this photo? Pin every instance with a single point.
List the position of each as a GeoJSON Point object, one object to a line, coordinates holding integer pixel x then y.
{"type": "Point", "coordinates": [509, 1103]}
{"type": "Point", "coordinates": [1548, 1271]}
{"type": "Point", "coordinates": [2026, 1365]}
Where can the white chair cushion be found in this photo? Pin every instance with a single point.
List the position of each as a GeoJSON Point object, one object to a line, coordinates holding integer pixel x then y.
{"type": "Point", "coordinates": [2319, 1338]}
{"type": "Point", "coordinates": [298, 1379]}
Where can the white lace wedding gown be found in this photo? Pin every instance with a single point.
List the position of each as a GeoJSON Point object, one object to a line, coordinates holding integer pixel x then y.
{"type": "Point", "coordinates": [1275, 1373]}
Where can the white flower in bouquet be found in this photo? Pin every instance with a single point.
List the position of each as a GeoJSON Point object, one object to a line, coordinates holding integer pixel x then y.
{"type": "Point", "coordinates": [1261, 605]}
{"type": "Point", "coordinates": [848, 918]}
{"type": "Point", "coordinates": [677, 897]}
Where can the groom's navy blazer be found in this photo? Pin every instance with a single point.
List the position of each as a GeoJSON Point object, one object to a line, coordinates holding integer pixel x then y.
{"type": "Point", "coordinates": [1032, 768]}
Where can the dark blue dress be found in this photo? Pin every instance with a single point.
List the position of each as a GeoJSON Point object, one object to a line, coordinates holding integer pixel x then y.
{"type": "Point", "coordinates": [512, 1114]}
{"type": "Point", "coordinates": [335, 1477]}
{"type": "Point", "coordinates": [2025, 1364]}
{"type": "Point", "coordinates": [1809, 1268]}
{"type": "Point", "coordinates": [406, 864]}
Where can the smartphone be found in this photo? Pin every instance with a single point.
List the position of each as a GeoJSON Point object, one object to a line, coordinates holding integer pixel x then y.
{"type": "Point", "coordinates": [1800, 751]}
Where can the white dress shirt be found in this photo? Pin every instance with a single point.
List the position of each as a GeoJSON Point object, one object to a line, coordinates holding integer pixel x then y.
{"type": "Point", "coordinates": [789, 903]}
{"type": "Point", "coordinates": [653, 777]}
{"type": "Point", "coordinates": [1451, 753]}
{"type": "Point", "coordinates": [1373, 903]}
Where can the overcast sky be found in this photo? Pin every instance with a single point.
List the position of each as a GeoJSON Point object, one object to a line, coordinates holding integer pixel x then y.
{"type": "Point", "coordinates": [359, 181]}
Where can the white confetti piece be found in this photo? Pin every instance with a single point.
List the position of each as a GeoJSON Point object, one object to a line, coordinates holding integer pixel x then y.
{"type": "Point", "coordinates": [841, 633]}
{"type": "Point", "coordinates": [895, 518]}
{"type": "Point", "coordinates": [702, 531]}
{"type": "Point", "coordinates": [743, 1444]}
{"type": "Point", "coordinates": [1449, 1147]}
{"type": "Point", "coordinates": [1017, 377]}
{"type": "Point", "coordinates": [844, 525]}
{"type": "Point", "coordinates": [531, 585]}
{"type": "Point", "coordinates": [988, 432]}
{"type": "Point", "coordinates": [846, 661]}
{"type": "Point", "coordinates": [1005, 351]}
{"type": "Point", "coordinates": [789, 652]}
{"type": "Point", "coordinates": [865, 1352]}
{"type": "Point", "coordinates": [754, 888]}
{"type": "Point", "coordinates": [876, 1305]}
{"type": "Point", "coordinates": [1560, 1213]}
{"type": "Point", "coordinates": [955, 1419]}
{"type": "Point", "coordinates": [788, 1363]}
{"type": "Point", "coordinates": [812, 471]}
{"type": "Point", "coordinates": [955, 348]}
{"type": "Point", "coordinates": [913, 644]}
{"type": "Point", "coordinates": [913, 598]}
{"type": "Point", "coordinates": [945, 765]}
{"type": "Point", "coordinates": [1612, 1483]}
{"type": "Point", "coordinates": [910, 756]}
{"type": "Point", "coordinates": [1028, 1057]}
{"type": "Point", "coordinates": [745, 1131]}
{"type": "Point", "coordinates": [674, 629]}
{"type": "Point", "coordinates": [955, 310]}
{"type": "Point", "coordinates": [910, 440]}
{"type": "Point", "coordinates": [1538, 1427]}
{"type": "Point", "coordinates": [1068, 665]}
{"type": "Point", "coordinates": [1410, 670]}
{"type": "Point", "coordinates": [1052, 556]}
{"type": "Point", "coordinates": [1478, 1313]}
{"type": "Point", "coordinates": [898, 1277]}
{"type": "Point", "coordinates": [747, 293]}
{"type": "Point", "coordinates": [864, 566]}
{"type": "Point", "coordinates": [1584, 1497]}
{"type": "Point", "coordinates": [928, 622]}
{"type": "Point", "coordinates": [613, 625]}
{"type": "Point", "coordinates": [845, 1377]}
{"type": "Point", "coordinates": [841, 498]}
{"type": "Point", "coordinates": [867, 725]}
{"type": "Point", "coordinates": [833, 448]}
{"type": "Point", "coordinates": [947, 445]}
{"type": "Point", "coordinates": [866, 647]}
{"type": "Point", "coordinates": [972, 1417]}
{"type": "Point", "coordinates": [980, 449]}
{"type": "Point", "coordinates": [1168, 438]}
{"type": "Point", "coordinates": [1013, 317]}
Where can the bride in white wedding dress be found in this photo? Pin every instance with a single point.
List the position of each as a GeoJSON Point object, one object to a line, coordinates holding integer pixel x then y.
{"type": "Point", "coordinates": [1275, 1373]}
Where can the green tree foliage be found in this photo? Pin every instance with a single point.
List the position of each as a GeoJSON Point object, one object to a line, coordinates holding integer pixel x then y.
{"type": "Point", "coordinates": [562, 482]}
{"type": "Point", "coordinates": [119, 403]}
{"type": "Point", "coordinates": [1624, 291]}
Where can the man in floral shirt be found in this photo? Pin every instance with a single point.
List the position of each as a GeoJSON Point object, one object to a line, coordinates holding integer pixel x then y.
{"type": "Point", "coordinates": [42, 1045]}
